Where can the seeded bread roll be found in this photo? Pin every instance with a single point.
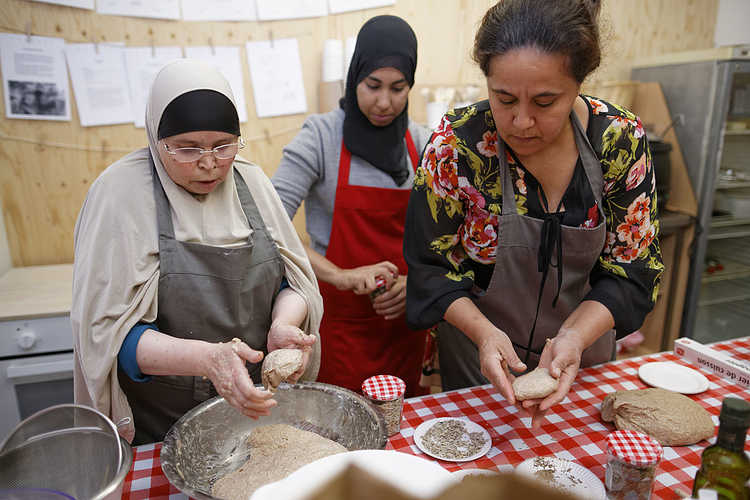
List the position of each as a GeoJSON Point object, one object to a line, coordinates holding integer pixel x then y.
{"type": "Point", "coordinates": [278, 366]}
{"type": "Point", "coordinates": [671, 418]}
{"type": "Point", "coordinates": [534, 385]}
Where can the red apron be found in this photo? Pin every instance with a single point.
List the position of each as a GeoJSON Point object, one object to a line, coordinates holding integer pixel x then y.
{"type": "Point", "coordinates": [356, 343]}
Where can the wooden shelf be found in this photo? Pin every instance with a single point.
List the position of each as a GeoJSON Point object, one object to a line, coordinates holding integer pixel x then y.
{"type": "Point", "coordinates": [745, 131]}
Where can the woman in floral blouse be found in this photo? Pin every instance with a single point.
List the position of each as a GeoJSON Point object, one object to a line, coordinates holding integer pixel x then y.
{"type": "Point", "coordinates": [551, 275]}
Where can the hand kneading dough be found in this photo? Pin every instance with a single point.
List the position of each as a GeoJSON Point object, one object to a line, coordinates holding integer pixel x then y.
{"type": "Point", "coordinates": [534, 385]}
{"type": "Point", "coordinates": [278, 366]}
{"type": "Point", "coordinates": [669, 417]}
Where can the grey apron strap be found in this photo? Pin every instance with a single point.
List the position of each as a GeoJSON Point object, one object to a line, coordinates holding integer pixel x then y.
{"type": "Point", "coordinates": [591, 164]}
{"type": "Point", "coordinates": [247, 202]}
{"type": "Point", "coordinates": [163, 212]}
{"type": "Point", "coordinates": [506, 181]}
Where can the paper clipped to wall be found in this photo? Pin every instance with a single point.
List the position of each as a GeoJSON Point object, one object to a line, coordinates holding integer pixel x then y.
{"type": "Point", "coordinates": [79, 4]}
{"type": "Point", "coordinates": [159, 9]}
{"type": "Point", "coordinates": [276, 74]}
{"type": "Point", "coordinates": [35, 78]}
{"type": "Point", "coordinates": [220, 10]}
{"type": "Point", "coordinates": [100, 83]}
{"type": "Point", "coordinates": [142, 64]}
{"type": "Point", "coordinates": [333, 60]}
{"type": "Point", "coordinates": [337, 6]}
{"type": "Point", "coordinates": [270, 10]}
{"type": "Point", "coordinates": [227, 60]}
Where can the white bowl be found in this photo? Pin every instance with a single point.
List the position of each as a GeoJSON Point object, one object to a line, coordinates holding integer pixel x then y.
{"type": "Point", "coordinates": [411, 474]}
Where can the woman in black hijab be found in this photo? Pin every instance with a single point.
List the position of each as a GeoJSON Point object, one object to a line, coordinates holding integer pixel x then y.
{"type": "Point", "coordinates": [353, 167]}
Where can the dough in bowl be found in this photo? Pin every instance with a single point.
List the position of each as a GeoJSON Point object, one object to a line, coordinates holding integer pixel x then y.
{"type": "Point", "coordinates": [278, 366]}
{"type": "Point", "coordinates": [536, 384]}
{"type": "Point", "coordinates": [671, 418]}
{"type": "Point", "coordinates": [276, 451]}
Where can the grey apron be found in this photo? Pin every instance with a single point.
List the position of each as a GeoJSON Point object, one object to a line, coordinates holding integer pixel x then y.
{"type": "Point", "coordinates": [205, 293]}
{"type": "Point", "coordinates": [513, 295]}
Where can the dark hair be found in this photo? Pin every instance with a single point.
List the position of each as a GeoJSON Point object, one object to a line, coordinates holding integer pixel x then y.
{"type": "Point", "coordinates": [567, 27]}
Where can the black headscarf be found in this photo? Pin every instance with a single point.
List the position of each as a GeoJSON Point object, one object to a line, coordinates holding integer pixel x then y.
{"type": "Point", "coordinates": [218, 113]}
{"type": "Point", "coordinates": [383, 41]}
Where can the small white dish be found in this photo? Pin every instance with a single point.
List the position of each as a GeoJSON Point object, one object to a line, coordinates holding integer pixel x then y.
{"type": "Point", "coordinates": [413, 475]}
{"type": "Point", "coordinates": [673, 377]}
{"type": "Point", "coordinates": [470, 426]}
{"type": "Point", "coordinates": [564, 475]}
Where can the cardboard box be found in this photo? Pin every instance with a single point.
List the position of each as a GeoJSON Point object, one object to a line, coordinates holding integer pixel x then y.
{"type": "Point", "coordinates": [718, 362]}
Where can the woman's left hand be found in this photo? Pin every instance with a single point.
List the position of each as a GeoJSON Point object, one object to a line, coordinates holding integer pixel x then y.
{"type": "Point", "coordinates": [562, 357]}
{"type": "Point", "coordinates": [286, 336]}
{"type": "Point", "coordinates": [392, 303]}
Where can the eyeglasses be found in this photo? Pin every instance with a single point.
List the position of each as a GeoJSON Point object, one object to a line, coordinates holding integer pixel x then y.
{"type": "Point", "coordinates": [189, 155]}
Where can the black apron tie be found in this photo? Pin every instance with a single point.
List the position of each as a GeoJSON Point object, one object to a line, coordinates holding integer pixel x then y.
{"type": "Point", "coordinates": [551, 238]}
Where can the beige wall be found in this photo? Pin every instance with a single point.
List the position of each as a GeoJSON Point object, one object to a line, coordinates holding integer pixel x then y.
{"type": "Point", "coordinates": [43, 185]}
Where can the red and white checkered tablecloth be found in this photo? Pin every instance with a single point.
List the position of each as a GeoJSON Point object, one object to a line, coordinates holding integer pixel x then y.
{"type": "Point", "coordinates": [572, 430]}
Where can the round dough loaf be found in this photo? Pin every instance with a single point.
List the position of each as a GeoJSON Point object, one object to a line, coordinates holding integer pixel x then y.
{"type": "Point", "coordinates": [536, 384]}
{"type": "Point", "coordinates": [278, 366]}
{"type": "Point", "coordinates": [671, 418]}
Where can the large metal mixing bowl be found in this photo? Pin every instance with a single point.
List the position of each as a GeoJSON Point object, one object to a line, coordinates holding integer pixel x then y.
{"type": "Point", "coordinates": [74, 463]}
{"type": "Point", "coordinates": [210, 440]}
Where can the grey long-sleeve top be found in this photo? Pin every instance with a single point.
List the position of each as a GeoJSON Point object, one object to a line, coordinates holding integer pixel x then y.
{"type": "Point", "coordinates": [309, 172]}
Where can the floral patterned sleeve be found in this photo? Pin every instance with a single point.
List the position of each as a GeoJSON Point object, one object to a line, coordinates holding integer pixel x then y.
{"type": "Point", "coordinates": [448, 217]}
{"type": "Point", "coordinates": [627, 275]}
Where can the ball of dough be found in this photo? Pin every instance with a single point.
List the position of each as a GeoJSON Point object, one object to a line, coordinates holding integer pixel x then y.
{"type": "Point", "coordinates": [536, 384]}
{"type": "Point", "coordinates": [278, 366]}
{"type": "Point", "coordinates": [671, 418]}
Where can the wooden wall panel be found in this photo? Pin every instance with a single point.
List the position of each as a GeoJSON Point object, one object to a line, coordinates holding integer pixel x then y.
{"type": "Point", "coordinates": [640, 28]}
{"type": "Point", "coordinates": [44, 184]}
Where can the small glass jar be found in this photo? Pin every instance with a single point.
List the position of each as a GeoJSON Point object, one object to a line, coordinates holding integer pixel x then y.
{"type": "Point", "coordinates": [632, 460]}
{"type": "Point", "coordinates": [379, 288]}
{"type": "Point", "coordinates": [386, 393]}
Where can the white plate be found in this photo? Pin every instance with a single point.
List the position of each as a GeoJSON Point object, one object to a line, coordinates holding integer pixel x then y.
{"type": "Point", "coordinates": [673, 377]}
{"type": "Point", "coordinates": [420, 431]}
{"type": "Point", "coordinates": [565, 475]}
{"type": "Point", "coordinates": [411, 474]}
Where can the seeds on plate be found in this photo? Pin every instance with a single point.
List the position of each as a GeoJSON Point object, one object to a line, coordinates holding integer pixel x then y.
{"type": "Point", "coordinates": [450, 439]}
{"type": "Point", "coordinates": [547, 470]}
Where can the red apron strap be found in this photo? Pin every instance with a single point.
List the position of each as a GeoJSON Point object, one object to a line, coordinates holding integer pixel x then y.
{"type": "Point", "coordinates": [412, 151]}
{"type": "Point", "coordinates": [345, 162]}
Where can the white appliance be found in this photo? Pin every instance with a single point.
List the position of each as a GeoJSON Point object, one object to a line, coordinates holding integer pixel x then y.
{"type": "Point", "coordinates": [36, 342]}
{"type": "Point", "coordinates": [36, 368]}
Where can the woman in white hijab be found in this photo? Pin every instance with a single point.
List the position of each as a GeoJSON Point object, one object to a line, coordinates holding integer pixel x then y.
{"type": "Point", "coordinates": [187, 269]}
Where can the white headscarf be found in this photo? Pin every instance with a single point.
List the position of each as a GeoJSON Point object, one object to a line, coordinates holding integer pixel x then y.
{"type": "Point", "coordinates": [116, 268]}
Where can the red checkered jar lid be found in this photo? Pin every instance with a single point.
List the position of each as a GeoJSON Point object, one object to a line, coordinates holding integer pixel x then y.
{"type": "Point", "coordinates": [383, 387]}
{"type": "Point", "coordinates": [634, 448]}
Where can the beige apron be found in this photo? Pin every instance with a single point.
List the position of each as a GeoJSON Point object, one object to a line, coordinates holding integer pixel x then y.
{"type": "Point", "coordinates": [205, 293]}
{"type": "Point", "coordinates": [523, 298]}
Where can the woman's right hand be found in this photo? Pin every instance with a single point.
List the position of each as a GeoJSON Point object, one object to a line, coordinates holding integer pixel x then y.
{"type": "Point", "coordinates": [225, 367]}
{"type": "Point", "coordinates": [362, 280]}
{"type": "Point", "coordinates": [496, 353]}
